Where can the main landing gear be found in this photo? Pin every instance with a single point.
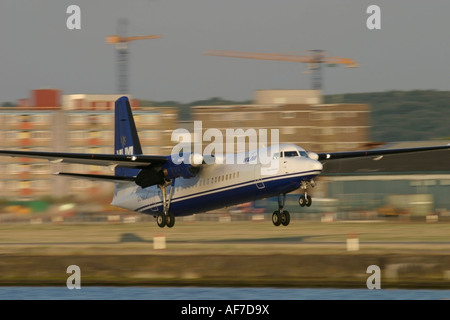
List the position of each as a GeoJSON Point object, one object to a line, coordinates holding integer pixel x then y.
{"type": "Point", "coordinates": [281, 216]}
{"type": "Point", "coordinates": [166, 218]}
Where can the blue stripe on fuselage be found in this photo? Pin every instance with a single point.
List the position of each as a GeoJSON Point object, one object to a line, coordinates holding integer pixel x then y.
{"type": "Point", "coordinates": [231, 194]}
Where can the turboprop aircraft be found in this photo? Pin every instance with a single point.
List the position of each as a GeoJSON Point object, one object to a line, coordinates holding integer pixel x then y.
{"type": "Point", "coordinates": [189, 183]}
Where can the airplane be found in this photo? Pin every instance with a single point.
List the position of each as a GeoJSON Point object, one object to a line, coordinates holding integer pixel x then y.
{"type": "Point", "coordinates": [158, 186]}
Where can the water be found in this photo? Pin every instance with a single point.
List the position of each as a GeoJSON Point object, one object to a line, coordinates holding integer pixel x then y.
{"type": "Point", "coordinates": [206, 293]}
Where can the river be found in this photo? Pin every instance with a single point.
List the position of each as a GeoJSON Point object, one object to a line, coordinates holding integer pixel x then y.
{"type": "Point", "coordinates": [214, 293]}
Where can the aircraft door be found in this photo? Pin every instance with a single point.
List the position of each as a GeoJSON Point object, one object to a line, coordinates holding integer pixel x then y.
{"type": "Point", "coordinates": [258, 180]}
{"type": "Point", "coordinates": [284, 163]}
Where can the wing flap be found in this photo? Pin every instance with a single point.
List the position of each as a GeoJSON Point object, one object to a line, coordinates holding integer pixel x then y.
{"type": "Point", "coordinates": [97, 177]}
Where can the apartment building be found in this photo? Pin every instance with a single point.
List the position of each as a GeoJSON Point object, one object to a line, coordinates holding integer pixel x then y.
{"type": "Point", "coordinates": [50, 121]}
{"type": "Point", "coordinates": [300, 118]}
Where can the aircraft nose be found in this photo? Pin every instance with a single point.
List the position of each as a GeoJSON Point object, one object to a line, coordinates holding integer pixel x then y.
{"type": "Point", "coordinates": [317, 165]}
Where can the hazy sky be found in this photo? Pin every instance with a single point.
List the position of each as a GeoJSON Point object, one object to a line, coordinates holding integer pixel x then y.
{"type": "Point", "coordinates": [410, 51]}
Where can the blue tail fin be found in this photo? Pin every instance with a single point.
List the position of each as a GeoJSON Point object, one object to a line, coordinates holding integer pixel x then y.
{"type": "Point", "coordinates": [125, 135]}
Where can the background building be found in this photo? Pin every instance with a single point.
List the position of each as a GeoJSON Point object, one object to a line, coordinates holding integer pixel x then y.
{"type": "Point", "coordinates": [49, 121]}
{"type": "Point", "coordinates": [315, 127]}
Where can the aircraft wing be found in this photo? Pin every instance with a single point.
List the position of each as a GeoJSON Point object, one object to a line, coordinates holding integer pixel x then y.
{"type": "Point", "coordinates": [97, 177]}
{"type": "Point", "coordinates": [120, 160]}
{"type": "Point", "coordinates": [374, 152]}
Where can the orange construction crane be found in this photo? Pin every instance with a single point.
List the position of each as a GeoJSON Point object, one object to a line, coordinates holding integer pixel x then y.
{"type": "Point", "coordinates": [314, 61]}
{"type": "Point", "coordinates": [118, 39]}
{"type": "Point", "coordinates": [121, 44]}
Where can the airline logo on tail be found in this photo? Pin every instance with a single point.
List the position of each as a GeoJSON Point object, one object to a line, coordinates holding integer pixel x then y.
{"type": "Point", "coordinates": [127, 151]}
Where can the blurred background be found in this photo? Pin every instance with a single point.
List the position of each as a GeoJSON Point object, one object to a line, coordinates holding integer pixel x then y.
{"type": "Point", "coordinates": [288, 70]}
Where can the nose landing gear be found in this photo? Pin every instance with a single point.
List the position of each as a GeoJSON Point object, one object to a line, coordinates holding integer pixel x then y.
{"type": "Point", "coordinates": [305, 199]}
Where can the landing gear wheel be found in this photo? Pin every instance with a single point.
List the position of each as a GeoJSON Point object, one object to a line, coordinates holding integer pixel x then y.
{"type": "Point", "coordinates": [170, 220]}
{"type": "Point", "coordinates": [308, 201]}
{"type": "Point", "coordinates": [302, 201]}
{"type": "Point", "coordinates": [285, 218]}
{"type": "Point", "coordinates": [276, 218]}
{"type": "Point", "coordinates": [305, 200]}
{"type": "Point", "coordinates": [161, 220]}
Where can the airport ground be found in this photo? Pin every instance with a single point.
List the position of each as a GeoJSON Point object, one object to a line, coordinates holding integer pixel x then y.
{"type": "Point", "coordinates": [223, 252]}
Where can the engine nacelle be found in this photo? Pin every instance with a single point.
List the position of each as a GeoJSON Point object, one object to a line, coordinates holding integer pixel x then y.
{"type": "Point", "coordinates": [181, 170]}
{"type": "Point", "coordinates": [170, 170]}
{"type": "Point", "coordinates": [149, 177]}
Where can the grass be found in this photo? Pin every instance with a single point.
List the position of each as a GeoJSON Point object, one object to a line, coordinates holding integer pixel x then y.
{"type": "Point", "coordinates": [214, 237]}
{"type": "Point", "coordinates": [306, 253]}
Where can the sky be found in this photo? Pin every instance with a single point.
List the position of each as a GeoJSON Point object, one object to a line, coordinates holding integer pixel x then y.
{"type": "Point", "coordinates": [411, 50]}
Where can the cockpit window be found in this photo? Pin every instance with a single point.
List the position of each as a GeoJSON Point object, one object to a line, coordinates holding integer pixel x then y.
{"type": "Point", "coordinates": [304, 154]}
{"type": "Point", "coordinates": [294, 154]}
{"type": "Point", "coordinates": [290, 154]}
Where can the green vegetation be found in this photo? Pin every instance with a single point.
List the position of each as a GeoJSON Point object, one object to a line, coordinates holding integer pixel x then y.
{"type": "Point", "coordinates": [9, 104]}
{"type": "Point", "coordinates": [395, 115]}
{"type": "Point", "coordinates": [403, 115]}
{"type": "Point", "coordinates": [184, 109]}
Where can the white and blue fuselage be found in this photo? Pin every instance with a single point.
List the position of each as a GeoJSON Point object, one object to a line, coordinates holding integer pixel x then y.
{"type": "Point", "coordinates": [222, 185]}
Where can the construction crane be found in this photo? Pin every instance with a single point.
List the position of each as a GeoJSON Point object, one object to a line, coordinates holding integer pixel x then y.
{"type": "Point", "coordinates": [121, 44]}
{"type": "Point", "coordinates": [314, 61]}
